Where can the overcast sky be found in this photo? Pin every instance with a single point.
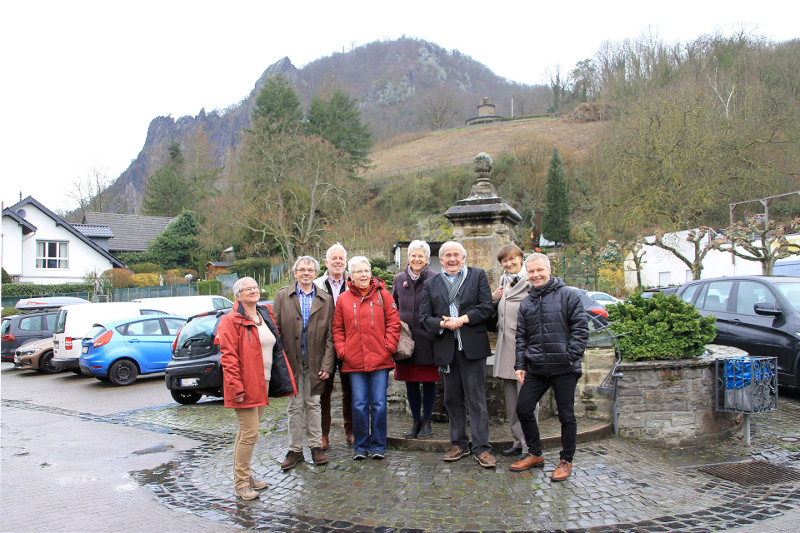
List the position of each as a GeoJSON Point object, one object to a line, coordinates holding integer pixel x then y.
{"type": "Point", "coordinates": [83, 79]}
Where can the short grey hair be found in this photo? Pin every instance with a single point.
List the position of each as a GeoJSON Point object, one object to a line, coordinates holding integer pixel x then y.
{"type": "Point", "coordinates": [306, 259]}
{"type": "Point", "coordinates": [450, 244]}
{"type": "Point", "coordinates": [237, 285]}
{"type": "Point", "coordinates": [334, 247]}
{"type": "Point", "coordinates": [420, 245]}
{"type": "Point", "coordinates": [538, 256]}
{"type": "Point", "coordinates": [356, 260]}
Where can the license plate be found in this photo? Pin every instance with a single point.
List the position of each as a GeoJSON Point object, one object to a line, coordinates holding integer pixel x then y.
{"type": "Point", "coordinates": [188, 382]}
{"type": "Point", "coordinates": [85, 349]}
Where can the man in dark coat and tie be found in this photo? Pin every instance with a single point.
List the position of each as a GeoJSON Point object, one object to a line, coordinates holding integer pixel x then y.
{"type": "Point", "coordinates": [455, 307]}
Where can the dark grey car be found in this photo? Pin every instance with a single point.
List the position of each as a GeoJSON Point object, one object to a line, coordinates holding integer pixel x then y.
{"type": "Point", "coordinates": [759, 314]}
{"type": "Point", "coordinates": [19, 329]}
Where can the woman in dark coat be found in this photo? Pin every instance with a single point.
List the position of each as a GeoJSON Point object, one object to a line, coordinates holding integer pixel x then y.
{"type": "Point", "coordinates": [418, 371]}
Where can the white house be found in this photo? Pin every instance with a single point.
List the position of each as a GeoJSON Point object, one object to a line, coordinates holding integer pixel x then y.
{"type": "Point", "coordinates": [661, 267]}
{"type": "Point", "coordinates": [40, 247]}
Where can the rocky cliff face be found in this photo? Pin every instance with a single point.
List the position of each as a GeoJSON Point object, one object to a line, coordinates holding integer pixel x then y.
{"type": "Point", "coordinates": [391, 80]}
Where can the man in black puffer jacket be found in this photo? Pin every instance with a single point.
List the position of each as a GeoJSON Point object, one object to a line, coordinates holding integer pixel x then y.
{"type": "Point", "coordinates": [552, 332]}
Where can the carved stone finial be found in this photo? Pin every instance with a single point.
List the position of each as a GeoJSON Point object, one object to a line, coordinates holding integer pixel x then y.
{"type": "Point", "coordinates": [483, 164]}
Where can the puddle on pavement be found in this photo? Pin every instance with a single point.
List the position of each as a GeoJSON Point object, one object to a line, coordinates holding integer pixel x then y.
{"type": "Point", "coordinates": [157, 475]}
{"type": "Point", "coordinates": [158, 448]}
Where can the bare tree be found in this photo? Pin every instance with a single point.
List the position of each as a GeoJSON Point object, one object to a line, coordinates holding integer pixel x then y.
{"type": "Point", "coordinates": [439, 109]}
{"type": "Point", "coordinates": [90, 191]}
{"type": "Point", "coordinates": [765, 243]}
{"type": "Point", "coordinates": [700, 243]}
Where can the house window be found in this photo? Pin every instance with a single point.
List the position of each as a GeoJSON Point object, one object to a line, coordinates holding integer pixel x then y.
{"type": "Point", "coordinates": [52, 254]}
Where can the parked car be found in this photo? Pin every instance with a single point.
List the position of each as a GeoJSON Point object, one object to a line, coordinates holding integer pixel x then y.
{"type": "Point", "coordinates": [118, 351]}
{"type": "Point", "coordinates": [195, 369]}
{"type": "Point", "coordinates": [73, 323]}
{"type": "Point", "coordinates": [183, 305]}
{"type": "Point", "coordinates": [759, 314]}
{"type": "Point", "coordinates": [649, 293]}
{"type": "Point", "coordinates": [36, 322]}
{"type": "Point", "coordinates": [36, 355]}
{"type": "Point", "coordinates": [603, 298]}
{"type": "Point", "coordinates": [597, 312]}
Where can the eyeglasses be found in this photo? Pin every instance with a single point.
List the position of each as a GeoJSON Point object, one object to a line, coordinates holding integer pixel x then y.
{"type": "Point", "coordinates": [249, 289]}
{"type": "Point", "coordinates": [304, 270]}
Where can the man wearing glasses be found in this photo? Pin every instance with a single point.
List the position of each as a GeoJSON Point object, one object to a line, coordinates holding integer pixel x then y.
{"type": "Point", "coordinates": [304, 316]}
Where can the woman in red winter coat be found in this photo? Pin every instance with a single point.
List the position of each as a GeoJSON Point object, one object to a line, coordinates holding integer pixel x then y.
{"type": "Point", "coordinates": [366, 330]}
{"type": "Point", "coordinates": [254, 367]}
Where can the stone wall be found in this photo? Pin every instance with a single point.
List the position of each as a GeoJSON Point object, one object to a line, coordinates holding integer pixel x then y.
{"type": "Point", "coordinates": [672, 403]}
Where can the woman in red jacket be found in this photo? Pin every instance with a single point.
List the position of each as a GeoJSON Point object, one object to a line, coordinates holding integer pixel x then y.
{"type": "Point", "coordinates": [366, 330]}
{"type": "Point", "coordinates": [253, 368]}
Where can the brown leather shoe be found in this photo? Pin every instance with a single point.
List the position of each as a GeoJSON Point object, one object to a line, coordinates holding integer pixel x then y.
{"type": "Point", "coordinates": [324, 442]}
{"type": "Point", "coordinates": [318, 456]}
{"type": "Point", "coordinates": [562, 471]}
{"type": "Point", "coordinates": [486, 460]}
{"type": "Point", "coordinates": [292, 458]}
{"type": "Point", "coordinates": [529, 461]}
{"type": "Point", "coordinates": [455, 454]}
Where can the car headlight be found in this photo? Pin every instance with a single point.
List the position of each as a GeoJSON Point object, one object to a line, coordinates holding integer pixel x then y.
{"type": "Point", "coordinates": [26, 352]}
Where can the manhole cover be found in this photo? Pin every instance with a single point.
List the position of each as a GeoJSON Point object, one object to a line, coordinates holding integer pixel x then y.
{"type": "Point", "coordinates": [755, 473]}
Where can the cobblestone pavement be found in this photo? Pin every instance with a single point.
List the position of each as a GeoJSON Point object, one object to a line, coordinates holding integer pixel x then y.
{"type": "Point", "coordinates": [184, 463]}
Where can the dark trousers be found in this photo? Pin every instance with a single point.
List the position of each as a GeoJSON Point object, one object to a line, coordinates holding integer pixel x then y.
{"type": "Point", "coordinates": [465, 387]}
{"type": "Point", "coordinates": [347, 401]}
{"type": "Point", "coordinates": [564, 391]}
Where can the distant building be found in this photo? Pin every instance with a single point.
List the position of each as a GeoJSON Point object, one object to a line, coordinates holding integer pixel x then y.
{"type": "Point", "coordinates": [215, 268]}
{"type": "Point", "coordinates": [39, 246]}
{"type": "Point", "coordinates": [486, 113]}
{"type": "Point", "coordinates": [129, 233]}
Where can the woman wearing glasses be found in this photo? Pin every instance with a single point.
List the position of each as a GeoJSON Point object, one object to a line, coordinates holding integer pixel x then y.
{"type": "Point", "coordinates": [254, 367]}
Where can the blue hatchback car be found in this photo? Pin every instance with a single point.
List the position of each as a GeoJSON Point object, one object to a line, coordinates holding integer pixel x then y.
{"type": "Point", "coordinates": [119, 351]}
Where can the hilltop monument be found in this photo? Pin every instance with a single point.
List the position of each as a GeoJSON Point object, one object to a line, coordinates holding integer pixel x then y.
{"type": "Point", "coordinates": [483, 221]}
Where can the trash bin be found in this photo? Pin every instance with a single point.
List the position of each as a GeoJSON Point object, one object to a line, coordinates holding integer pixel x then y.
{"type": "Point", "coordinates": [747, 384]}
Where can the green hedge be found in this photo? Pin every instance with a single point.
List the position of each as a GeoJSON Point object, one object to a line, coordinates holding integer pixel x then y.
{"type": "Point", "coordinates": [661, 328]}
{"type": "Point", "coordinates": [29, 290]}
{"type": "Point", "coordinates": [211, 286]}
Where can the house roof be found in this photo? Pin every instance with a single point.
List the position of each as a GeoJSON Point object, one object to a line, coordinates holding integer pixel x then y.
{"type": "Point", "coordinates": [219, 263]}
{"type": "Point", "coordinates": [30, 200]}
{"type": "Point", "coordinates": [95, 231]}
{"type": "Point", "coordinates": [27, 227]}
{"type": "Point", "coordinates": [131, 233]}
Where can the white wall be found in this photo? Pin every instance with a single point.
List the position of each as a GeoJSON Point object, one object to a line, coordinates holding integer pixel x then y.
{"type": "Point", "coordinates": [12, 247]}
{"type": "Point", "coordinates": [661, 267]}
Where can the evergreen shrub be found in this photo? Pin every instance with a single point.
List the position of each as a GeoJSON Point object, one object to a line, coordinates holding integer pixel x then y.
{"type": "Point", "coordinates": [660, 328]}
{"type": "Point", "coordinates": [144, 268]}
{"type": "Point", "coordinates": [211, 286]}
{"type": "Point", "coordinates": [29, 290]}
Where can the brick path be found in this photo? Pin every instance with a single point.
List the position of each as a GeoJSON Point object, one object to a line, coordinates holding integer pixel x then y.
{"type": "Point", "coordinates": [168, 467]}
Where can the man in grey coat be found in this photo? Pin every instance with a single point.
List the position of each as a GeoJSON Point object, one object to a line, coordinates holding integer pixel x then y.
{"type": "Point", "coordinates": [304, 316]}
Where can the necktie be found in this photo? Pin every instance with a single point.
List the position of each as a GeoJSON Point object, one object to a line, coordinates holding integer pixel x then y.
{"type": "Point", "coordinates": [514, 280]}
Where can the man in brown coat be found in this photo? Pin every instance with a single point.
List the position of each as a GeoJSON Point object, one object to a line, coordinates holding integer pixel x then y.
{"type": "Point", "coordinates": [304, 316]}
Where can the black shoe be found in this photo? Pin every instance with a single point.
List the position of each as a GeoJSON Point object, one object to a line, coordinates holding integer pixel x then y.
{"type": "Point", "coordinates": [424, 429]}
{"type": "Point", "coordinates": [412, 434]}
{"type": "Point", "coordinates": [511, 451]}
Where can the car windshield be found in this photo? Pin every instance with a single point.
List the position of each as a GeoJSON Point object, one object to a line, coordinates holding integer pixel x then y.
{"type": "Point", "coordinates": [199, 331]}
{"type": "Point", "coordinates": [791, 291]}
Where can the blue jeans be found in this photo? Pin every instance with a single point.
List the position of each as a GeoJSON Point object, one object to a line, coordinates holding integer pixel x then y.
{"type": "Point", "coordinates": [369, 410]}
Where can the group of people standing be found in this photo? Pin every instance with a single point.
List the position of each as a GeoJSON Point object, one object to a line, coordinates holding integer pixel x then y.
{"type": "Point", "coordinates": [347, 321]}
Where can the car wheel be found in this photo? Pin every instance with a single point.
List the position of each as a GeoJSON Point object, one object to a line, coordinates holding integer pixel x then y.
{"type": "Point", "coordinates": [186, 397]}
{"type": "Point", "coordinates": [46, 364]}
{"type": "Point", "coordinates": [122, 372]}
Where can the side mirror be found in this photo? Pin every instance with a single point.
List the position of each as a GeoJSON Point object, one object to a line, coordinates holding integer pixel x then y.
{"type": "Point", "coordinates": [767, 309]}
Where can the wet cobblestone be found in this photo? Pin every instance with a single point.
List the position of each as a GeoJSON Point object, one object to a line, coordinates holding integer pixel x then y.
{"type": "Point", "coordinates": [617, 485]}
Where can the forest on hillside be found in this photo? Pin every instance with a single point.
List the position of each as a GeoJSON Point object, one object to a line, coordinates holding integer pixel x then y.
{"type": "Point", "coordinates": [687, 129]}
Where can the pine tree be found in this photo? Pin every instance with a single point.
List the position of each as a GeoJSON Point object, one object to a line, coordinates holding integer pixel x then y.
{"type": "Point", "coordinates": [278, 106]}
{"type": "Point", "coordinates": [338, 121]}
{"type": "Point", "coordinates": [555, 222]}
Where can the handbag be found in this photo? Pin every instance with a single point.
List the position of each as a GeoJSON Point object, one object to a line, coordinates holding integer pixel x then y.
{"type": "Point", "coordinates": [405, 347]}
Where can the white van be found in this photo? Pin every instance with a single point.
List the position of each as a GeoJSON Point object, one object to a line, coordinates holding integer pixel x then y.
{"type": "Point", "coordinates": [75, 321]}
{"type": "Point", "coordinates": [185, 306]}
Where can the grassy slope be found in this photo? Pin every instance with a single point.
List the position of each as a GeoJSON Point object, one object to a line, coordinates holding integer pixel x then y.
{"type": "Point", "coordinates": [460, 146]}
